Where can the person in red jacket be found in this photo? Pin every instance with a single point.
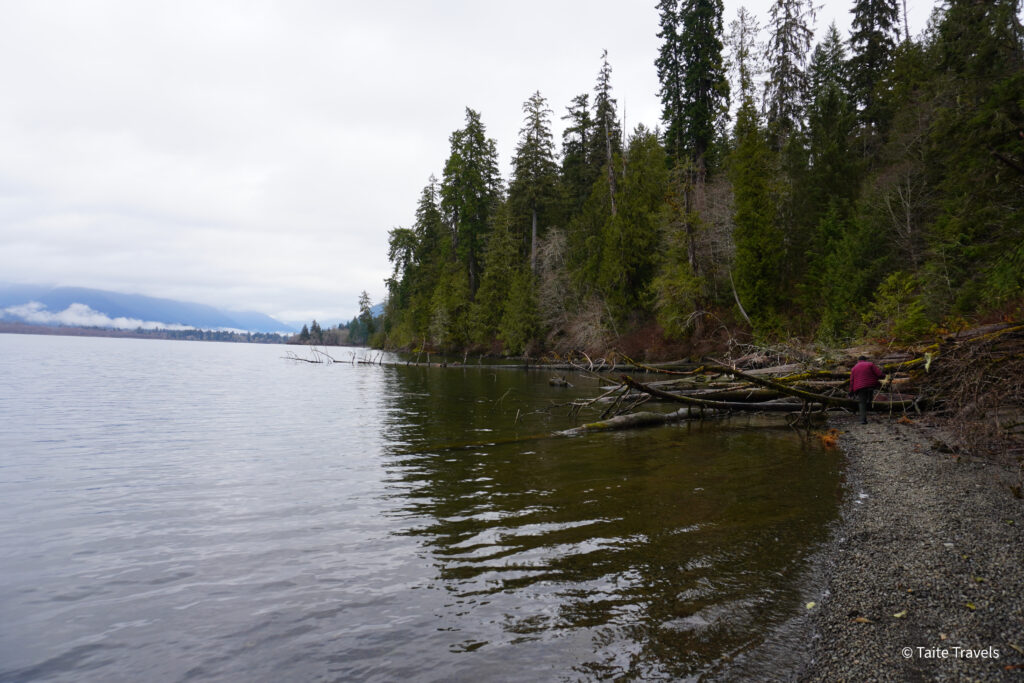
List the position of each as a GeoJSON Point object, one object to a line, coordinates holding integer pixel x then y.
{"type": "Point", "coordinates": [865, 378]}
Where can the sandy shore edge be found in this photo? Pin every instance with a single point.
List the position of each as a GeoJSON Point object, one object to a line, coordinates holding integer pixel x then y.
{"type": "Point", "coordinates": [923, 578]}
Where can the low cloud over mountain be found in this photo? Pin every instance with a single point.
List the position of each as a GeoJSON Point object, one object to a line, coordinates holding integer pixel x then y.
{"type": "Point", "coordinates": [80, 307]}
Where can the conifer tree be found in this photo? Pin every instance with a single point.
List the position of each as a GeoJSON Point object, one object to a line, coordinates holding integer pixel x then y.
{"type": "Point", "coordinates": [578, 173]}
{"type": "Point", "coordinates": [746, 53]}
{"type": "Point", "coordinates": [694, 89]}
{"type": "Point", "coordinates": [365, 314]}
{"type": "Point", "coordinates": [873, 38]}
{"type": "Point", "coordinates": [402, 246]}
{"type": "Point", "coordinates": [429, 226]}
{"type": "Point", "coordinates": [678, 288]}
{"type": "Point", "coordinates": [520, 320]}
{"type": "Point", "coordinates": [533, 190]}
{"type": "Point", "coordinates": [829, 189]}
{"type": "Point", "coordinates": [585, 238]}
{"type": "Point", "coordinates": [417, 255]}
{"type": "Point", "coordinates": [671, 67]}
{"type": "Point", "coordinates": [831, 180]}
{"type": "Point", "coordinates": [469, 193]}
{"type": "Point", "coordinates": [606, 141]}
{"type": "Point", "coordinates": [629, 239]}
{"type": "Point", "coordinates": [705, 86]}
{"type": "Point", "coordinates": [760, 250]}
{"type": "Point", "coordinates": [501, 260]}
{"type": "Point", "coordinates": [433, 250]}
{"type": "Point", "coordinates": [694, 115]}
{"type": "Point", "coordinates": [977, 241]}
{"type": "Point", "coordinates": [785, 91]}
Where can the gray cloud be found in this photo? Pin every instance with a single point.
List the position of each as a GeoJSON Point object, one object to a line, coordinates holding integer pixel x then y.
{"type": "Point", "coordinates": [254, 155]}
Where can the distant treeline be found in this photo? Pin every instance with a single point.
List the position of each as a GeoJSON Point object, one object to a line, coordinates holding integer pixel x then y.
{"type": "Point", "coordinates": [140, 333]}
{"type": "Point", "coordinates": [356, 332]}
{"type": "Point", "coordinates": [873, 186]}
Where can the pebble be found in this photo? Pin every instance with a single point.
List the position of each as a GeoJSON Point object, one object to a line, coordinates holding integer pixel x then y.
{"type": "Point", "coordinates": [884, 560]}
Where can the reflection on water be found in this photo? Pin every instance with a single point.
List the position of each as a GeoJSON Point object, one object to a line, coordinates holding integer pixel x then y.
{"type": "Point", "coordinates": [182, 510]}
{"type": "Point", "coordinates": [654, 553]}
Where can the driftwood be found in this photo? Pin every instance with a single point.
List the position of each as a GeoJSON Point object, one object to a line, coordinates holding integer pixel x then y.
{"type": "Point", "coordinates": [836, 401]}
{"type": "Point", "coordinates": [766, 406]}
{"type": "Point", "coordinates": [633, 420]}
{"type": "Point", "coordinates": [974, 379]}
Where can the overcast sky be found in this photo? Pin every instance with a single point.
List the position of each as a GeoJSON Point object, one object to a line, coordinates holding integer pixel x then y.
{"type": "Point", "coordinates": [253, 155]}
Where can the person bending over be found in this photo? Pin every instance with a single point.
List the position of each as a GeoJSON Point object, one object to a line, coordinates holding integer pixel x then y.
{"type": "Point", "coordinates": [865, 378]}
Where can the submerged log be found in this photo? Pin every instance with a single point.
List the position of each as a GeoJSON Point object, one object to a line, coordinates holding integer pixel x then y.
{"type": "Point", "coordinates": [643, 419]}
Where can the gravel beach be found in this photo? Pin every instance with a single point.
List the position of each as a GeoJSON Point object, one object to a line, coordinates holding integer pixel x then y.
{"type": "Point", "coordinates": [923, 579]}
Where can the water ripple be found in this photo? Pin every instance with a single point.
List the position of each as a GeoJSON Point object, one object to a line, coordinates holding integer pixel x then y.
{"type": "Point", "coordinates": [179, 511]}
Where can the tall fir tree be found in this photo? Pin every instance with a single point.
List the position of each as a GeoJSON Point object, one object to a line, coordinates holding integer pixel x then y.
{"type": "Point", "coordinates": [705, 95]}
{"type": "Point", "coordinates": [830, 187]}
{"type": "Point", "coordinates": [578, 172]}
{"type": "Point", "coordinates": [470, 190]}
{"type": "Point", "coordinates": [760, 250]}
{"type": "Point", "coordinates": [429, 225]}
{"type": "Point", "coordinates": [670, 65]}
{"type": "Point", "coordinates": [606, 142]}
{"type": "Point", "coordinates": [402, 247]}
{"type": "Point", "coordinates": [694, 88]}
{"type": "Point", "coordinates": [746, 54]}
{"type": "Point", "coordinates": [789, 43]}
{"type": "Point", "coordinates": [873, 38]}
{"type": "Point", "coordinates": [692, 35]}
{"type": "Point", "coordinates": [533, 191]}
{"type": "Point", "coordinates": [831, 179]}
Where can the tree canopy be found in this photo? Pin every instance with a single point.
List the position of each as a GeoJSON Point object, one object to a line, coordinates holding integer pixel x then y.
{"type": "Point", "coordinates": [874, 186]}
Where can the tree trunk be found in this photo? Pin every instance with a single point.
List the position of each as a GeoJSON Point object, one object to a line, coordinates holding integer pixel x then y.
{"type": "Point", "coordinates": [533, 243]}
{"type": "Point", "coordinates": [611, 167]}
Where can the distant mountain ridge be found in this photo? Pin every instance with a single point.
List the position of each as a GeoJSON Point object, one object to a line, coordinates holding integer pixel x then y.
{"type": "Point", "coordinates": [44, 305]}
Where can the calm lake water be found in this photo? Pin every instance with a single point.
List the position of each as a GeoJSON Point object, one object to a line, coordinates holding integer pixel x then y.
{"type": "Point", "coordinates": [186, 510]}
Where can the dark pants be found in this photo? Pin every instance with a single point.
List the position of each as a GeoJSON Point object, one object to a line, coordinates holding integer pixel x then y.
{"type": "Point", "coordinates": [864, 397]}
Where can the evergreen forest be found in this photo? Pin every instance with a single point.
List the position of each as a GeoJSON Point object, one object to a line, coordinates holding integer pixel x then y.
{"type": "Point", "coordinates": [824, 187]}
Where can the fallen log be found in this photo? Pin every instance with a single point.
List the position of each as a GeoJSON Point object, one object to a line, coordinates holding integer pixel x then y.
{"type": "Point", "coordinates": [644, 419]}
{"type": "Point", "coordinates": [740, 394]}
{"type": "Point", "coordinates": [745, 406]}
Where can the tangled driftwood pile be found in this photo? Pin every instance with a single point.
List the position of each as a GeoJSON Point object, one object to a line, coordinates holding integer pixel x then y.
{"type": "Point", "coordinates": [977, 383]}
{"type": "Point", "coordinates": [974, 379]}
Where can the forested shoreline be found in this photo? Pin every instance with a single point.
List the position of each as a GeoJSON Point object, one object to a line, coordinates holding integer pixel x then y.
{"type": "Point", "coordinates": [819, 187]}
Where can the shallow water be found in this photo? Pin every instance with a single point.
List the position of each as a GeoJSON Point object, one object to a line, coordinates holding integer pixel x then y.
{"type": "Point", "coordinates": [177, 510]}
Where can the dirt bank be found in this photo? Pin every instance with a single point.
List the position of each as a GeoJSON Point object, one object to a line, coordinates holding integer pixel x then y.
{"type": "Point", "coordinates": [924, 577]}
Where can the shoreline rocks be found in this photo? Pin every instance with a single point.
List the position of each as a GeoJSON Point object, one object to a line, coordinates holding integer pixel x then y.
{"type": "Point", "coordinates": [924, 575]}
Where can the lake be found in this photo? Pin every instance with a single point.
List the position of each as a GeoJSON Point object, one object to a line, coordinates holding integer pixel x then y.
{"type": "Point", "coordinates": [212, 511]}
